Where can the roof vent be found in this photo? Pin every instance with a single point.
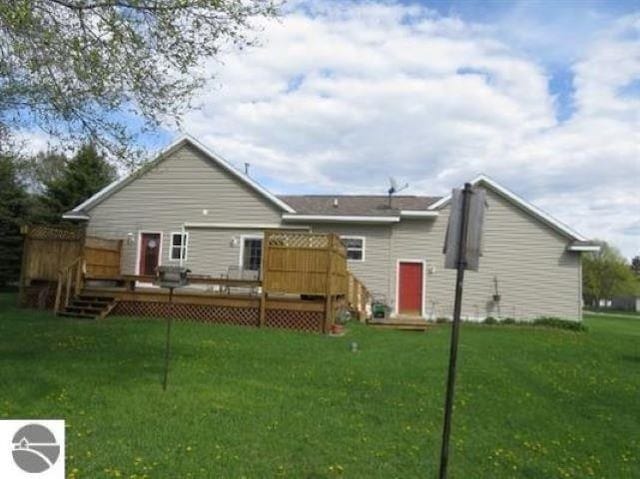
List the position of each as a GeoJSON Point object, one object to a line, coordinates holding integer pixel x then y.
{"type": "Point", "coordinates": [335, 202]}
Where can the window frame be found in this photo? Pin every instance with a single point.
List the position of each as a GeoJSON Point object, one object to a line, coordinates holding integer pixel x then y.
{"type": "Point", "coordinates": [362, 248]}
{"type": "Point", "coordinates": [243, 238]}
{"type": "Point", "coordinates": [184, 246]}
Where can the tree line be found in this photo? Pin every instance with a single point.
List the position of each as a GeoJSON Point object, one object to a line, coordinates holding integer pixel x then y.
{"type": "Point", "coordinates": [39, 189]}
{"type": "Point", "coordinates": [607, 274]}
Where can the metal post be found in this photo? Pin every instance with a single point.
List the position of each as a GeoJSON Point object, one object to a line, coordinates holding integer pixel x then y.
{"type": "Point", "coordinates": [167, 344]}
{"type": "Point", "coordinates": [455, 332]}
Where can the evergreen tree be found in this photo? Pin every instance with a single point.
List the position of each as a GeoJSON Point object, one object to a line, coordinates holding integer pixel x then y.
{"type": "Point", "coordinates": [14, 202]}
{"type": "Point", "coordinates": [83, 175]}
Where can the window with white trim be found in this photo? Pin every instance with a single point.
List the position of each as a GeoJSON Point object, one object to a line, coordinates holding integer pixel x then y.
{"type": "Point", "coordinates": [178, 250]}
{"type": "Point", "coordinates": [354, 246]}
{"type": "Point", "coordinates": [251, 255]}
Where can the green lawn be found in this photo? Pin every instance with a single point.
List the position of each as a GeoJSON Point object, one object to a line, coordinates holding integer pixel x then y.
{"type": "Point", "coordinates": [242, 402]}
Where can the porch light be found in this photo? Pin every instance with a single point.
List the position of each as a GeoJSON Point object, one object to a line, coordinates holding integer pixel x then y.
{"type": "Point", "coordinates": [130, 238]}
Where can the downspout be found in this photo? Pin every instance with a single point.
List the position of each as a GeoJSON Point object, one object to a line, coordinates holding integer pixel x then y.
{"type": "Point", "coordinates": [580, 286]}
{"type": "Point", "coordinates": [183, 250]}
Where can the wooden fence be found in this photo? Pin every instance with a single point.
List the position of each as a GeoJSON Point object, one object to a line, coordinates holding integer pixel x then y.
{"type": "Point", "coordinates": [47, 250]}
{"type": "Point", "coordinates": [312, 264]}
{"type": "Point", "coordinates": [102, 258]}
{"type": "Point", "coordinates": [64, 256]}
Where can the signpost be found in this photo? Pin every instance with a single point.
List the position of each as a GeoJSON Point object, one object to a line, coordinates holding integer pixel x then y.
{"type": "Point", "coordinates": [462, 246]}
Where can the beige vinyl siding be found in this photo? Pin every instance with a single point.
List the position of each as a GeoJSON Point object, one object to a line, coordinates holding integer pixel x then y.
{"type": "Point", "coordinates": [212, 251]}
{"type": "Point", "coordinates": [536, 275]}
{"type": "Point", "coordinates": [173, 192]}
{"type": "Point", "coordinates": [373, 271]}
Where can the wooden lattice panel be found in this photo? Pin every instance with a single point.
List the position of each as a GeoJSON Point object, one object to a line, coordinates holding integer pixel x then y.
{"type": "Point", "coordinates": [298, 240]}
{"type": "Point", "coordinates": [288, 319]}
{"type": "Point", "coordinates": [195, 312]}
{"type": "Point", "coordinates": [40, 232]}
{"type": "Point", "coordinates": [242, 316]}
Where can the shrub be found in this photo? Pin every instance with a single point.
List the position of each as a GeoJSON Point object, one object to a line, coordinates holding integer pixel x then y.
{"type": "Point", "coordinates": [490, 320]}
{"type": "Point", "coordinates": [441, 320]}
{"type": "Point", "coordinates": [508, 321]}
{"type": "Point", "coordinates": [552, 322]}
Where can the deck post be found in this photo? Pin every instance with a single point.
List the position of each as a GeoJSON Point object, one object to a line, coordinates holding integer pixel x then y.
{"type": "Point", "coordinates": [328, 305]}
{"type": "Point", "coordinates": [23, 269]}
{"type": "Point", "coordinates": [263, 306]}
{"type": "Point", "coordinates": [264, 262]}
{"type": "Point", "coordinates": [56, 306]}
{"type": "Point", "coordinates": [68, 289]}
{"type": "Point", "coordinates": [78, 285]}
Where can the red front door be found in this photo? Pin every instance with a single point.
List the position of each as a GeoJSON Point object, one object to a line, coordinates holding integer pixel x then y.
{"type": "Point", "coordinates": [410, 288]}
{"type": "Point", "coordinates": [149, 253]}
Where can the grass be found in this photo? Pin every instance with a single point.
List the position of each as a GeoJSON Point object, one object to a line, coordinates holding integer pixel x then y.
{"type": "Point", "coordinates": [614, 312]}
{"type": "Point", "coordinates": [242, 402]}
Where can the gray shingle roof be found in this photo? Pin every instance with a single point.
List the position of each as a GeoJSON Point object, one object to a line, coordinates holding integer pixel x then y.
{"type": "Point", "coordinates": [356, 205]}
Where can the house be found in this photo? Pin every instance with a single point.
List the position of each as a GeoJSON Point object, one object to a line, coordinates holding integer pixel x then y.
{"type": "Point", "coordinates": [191, 207]}
{"type": "Point", "coordinates": [625, 303]}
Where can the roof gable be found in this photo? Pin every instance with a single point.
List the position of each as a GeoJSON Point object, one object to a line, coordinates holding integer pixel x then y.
{"type": "Point", "coordinates": [80, 211]}
{"type": "Point", "coordinates": [520, 202]}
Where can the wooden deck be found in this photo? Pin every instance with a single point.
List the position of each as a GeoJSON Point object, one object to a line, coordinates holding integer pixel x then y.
{"type": "Point", "coordinates": [304, 282]}
{"type": "Point", "coordinates": [192, 304]}
{"type": "Point", "coordinates": [203, 297]}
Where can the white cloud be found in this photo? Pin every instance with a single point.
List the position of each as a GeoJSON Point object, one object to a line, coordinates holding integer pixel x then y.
{"type": "Point", "coordinates": [339, 98]}
{"type": "Point", "coordinates": [30, 142]}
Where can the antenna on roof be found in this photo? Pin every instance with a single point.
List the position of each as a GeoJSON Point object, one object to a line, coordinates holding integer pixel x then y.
{"type": "Point", "coordinates": [246, 168]}
{"type": "Point", "coordinates": [394, 188]}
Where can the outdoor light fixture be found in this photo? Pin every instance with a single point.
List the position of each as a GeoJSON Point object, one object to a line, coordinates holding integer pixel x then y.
{"type": "Point", "coordinates": [130, 238]}
{"type": "Point", "coordinates": [234, 242]}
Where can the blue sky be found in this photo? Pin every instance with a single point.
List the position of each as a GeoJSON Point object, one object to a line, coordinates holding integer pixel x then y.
{"type": "Point", "coordinates": [542, 96]}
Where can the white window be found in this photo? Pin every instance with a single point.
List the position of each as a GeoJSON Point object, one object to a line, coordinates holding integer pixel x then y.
{"type": "Point", "coordinates": [251, 253]}
{"type": "Point", "coordinates": [179, 243]}
{"type": "Point", "coordinates": [354, 246]}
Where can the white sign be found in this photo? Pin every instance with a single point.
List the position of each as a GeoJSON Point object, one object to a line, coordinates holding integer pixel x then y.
{"type": "Point", "coordinates": [32, 448]}
{"type": "Point", "coordinates": [477, 202]}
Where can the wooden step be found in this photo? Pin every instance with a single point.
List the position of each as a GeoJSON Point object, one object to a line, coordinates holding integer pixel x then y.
{"type": "Point", "coordinates": [83, 309]}
{"type": "Point", "coordinates": [95, 299]}
{"type": "Point", "coordinates": [404, 323]}
{"type": "Point", "coordinates": [88, 307]}
{"type": "Point", "coordinates": [89, 304]}
{"type": "Point", "coordinates": [71, 314]}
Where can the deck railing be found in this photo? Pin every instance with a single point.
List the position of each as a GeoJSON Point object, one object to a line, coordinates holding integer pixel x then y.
{"type": "Point", "coordinates": [70, 281]}
{"type": "Point", "coordinates": [358, 297]}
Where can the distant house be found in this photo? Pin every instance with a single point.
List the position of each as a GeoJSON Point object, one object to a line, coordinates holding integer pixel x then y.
{"type": "Point", "coordinates": [626, 303]}
{"type": "Point", "coordinates": [191, 206]}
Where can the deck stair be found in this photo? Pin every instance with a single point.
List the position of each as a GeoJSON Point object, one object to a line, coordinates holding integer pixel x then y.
{"type": "Point", "coordinates": [407, 323]}
{"type": "Point", "coordinates": [88, 307]}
